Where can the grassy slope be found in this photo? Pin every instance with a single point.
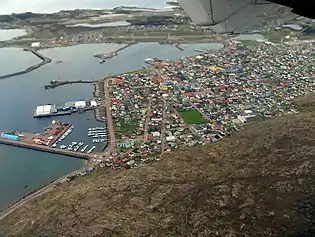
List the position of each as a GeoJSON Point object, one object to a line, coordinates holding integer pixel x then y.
{"type": "Point", "coordinates": [259, 182]}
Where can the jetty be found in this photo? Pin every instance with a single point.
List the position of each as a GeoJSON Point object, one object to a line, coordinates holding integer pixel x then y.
{"type": "Point", "coordinates": [55, 84]}
{"type": "Point", "coordinates": [44, 61]}
{"type": "Point", "coordinates": [42, 148]}
{"type": "Point", "coordinates": [104, 56]}
{"type": "Point", "coordinates": [178, 47]}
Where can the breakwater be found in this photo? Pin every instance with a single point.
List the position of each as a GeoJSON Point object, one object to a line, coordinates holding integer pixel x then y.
{"type": "Point", "coordinates": [44, 61]}
{"type": "Point", "coordinates": [113, 54]}
{"type": "Point", "coordinates": [46, 149]}
{"type": "Point", "coordinates": [54, 84]}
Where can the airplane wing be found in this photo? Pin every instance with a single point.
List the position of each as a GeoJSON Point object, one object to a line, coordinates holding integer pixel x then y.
{"type": "Point", "coordinates": [240, 16]}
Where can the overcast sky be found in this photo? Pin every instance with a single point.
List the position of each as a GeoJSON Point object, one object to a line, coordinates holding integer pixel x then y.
{"type": "Point", "coordinates": [10, 6]}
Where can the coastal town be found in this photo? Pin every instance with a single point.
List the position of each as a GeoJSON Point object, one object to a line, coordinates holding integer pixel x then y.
{"type": "Point", "coordinates": [201, 99]}
{"type": "Point", "coordinates": [147, 112]}
{"type": "Point", "coordinates": [171, 104]}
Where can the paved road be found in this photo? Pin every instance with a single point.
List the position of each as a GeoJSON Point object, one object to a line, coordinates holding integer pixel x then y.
{"type": "Point", "coordinates": [146, 127]}
{"type": "Point", "coordinates": [110, 124]}
{"type": "Point", "coordinates": [167, 37]}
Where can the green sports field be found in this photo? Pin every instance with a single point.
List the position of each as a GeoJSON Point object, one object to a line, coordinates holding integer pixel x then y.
{"type": "Point", "coordinates": [192, 117]}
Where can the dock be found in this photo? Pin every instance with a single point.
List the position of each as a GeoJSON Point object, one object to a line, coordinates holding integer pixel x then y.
{"type": "Point", "coordinates": [45, 149]}
{"type": "Point", "coordinates": [55, 84]}
{"type": "Point", "coordinates": [44, 61]}
{"type": "Point", "coordinates": [42, 142]}
{"type": "Point", "coordinates": [178, 47]}
{"type": "Point", "coordinates": [113, 54]}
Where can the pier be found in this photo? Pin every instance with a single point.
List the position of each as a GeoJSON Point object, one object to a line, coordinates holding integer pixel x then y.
{"type": "Point", "coordinates": [178, 47]}
{"type": "Point", "coordinates": [46, 149]}
{"type": "Point", "coordinates": [42, 142]}
{"type": "Point", "coordinates": [54, 84]}
{"type": "Point", "coordinates": [44, 61]}
{"type": "Point", "coordinates": [113, 54]}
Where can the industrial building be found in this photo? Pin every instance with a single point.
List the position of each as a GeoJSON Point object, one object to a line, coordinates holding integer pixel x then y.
{"type": "Point", "coordinates": [36, 45]}
{"type": "Point", "coordinates": [10, 137]}
{"type": "Point", "coordinates": [63, 109]}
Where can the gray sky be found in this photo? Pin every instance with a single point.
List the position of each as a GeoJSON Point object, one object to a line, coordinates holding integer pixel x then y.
{"type": "Point", "coordinates": [10, 6]}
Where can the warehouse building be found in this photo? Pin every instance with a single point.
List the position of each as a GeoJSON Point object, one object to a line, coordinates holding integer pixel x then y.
{"type": "Point", "coordinates": [63, 109]}
{"type": "Point", "coordinates": [43, 110]}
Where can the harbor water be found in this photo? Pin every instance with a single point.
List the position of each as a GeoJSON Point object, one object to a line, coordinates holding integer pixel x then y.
{"type": "Point", "coordinates": [22, 171]}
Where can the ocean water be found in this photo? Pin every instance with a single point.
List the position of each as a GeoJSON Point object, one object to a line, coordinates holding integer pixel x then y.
{"type": "Point", "coordinates": [15, 6]}
{"type": "Point", "coordinates": [21, 94]}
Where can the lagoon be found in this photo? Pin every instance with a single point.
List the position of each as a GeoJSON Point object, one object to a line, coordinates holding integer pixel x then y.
{"type": "Point", "coordinates": [9, 34]}
{"type": "Point", "coordinates": [108, 24]}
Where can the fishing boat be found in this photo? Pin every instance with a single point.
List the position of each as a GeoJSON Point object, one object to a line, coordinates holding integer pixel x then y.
{"type": "Point", "coordinates": [84, 148]}
{"type": "Point", "coordinates": [89, 151]}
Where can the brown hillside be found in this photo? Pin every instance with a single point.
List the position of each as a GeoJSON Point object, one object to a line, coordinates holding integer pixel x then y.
{"type": "Point", "coordinates": [258, 182]}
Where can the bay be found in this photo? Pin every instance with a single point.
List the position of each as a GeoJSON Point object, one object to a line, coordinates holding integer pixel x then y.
{"type": "Point", "coordinates": [21, 94]}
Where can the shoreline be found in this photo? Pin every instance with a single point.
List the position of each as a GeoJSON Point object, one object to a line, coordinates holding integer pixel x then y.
{"type": "Point", "coordinates": [160, 40]}
{"type": "Point", "coordinates": [46, 188]}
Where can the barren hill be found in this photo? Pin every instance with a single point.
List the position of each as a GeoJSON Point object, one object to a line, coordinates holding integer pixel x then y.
{"type": "Point", "coordinates": [258, 182]}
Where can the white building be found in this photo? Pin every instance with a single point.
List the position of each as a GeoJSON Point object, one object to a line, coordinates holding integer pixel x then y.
{"type": "Point", "coordinates": [80, 104]}
{"type": "Point", "coordinates": [35, 45]}
{"type": "Point", "coordinates": [156, 134]}
{"type": "Point", "coordinates": [170, 139]}
{"type": "Point", "coordinates": [43, 110]}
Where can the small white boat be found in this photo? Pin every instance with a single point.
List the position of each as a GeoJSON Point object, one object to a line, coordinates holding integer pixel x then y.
{"type": "Point", "coordinates": [89, 151]}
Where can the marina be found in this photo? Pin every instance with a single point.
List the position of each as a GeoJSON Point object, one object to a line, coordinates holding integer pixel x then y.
{"type": "Point", "coordinates": [50, 139]}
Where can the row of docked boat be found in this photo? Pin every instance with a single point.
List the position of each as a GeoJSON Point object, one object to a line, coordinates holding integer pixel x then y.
{"type": "Point", "coordinates": [100, 140]}
{"type": "Point", "coordinates": [63, 136]}
{"type": "Point", "coordinates": [98, 132]}
{"type": "Point", "coordinates": [79, 146]}
{"type": "Point", "coordinates": [97, 128]}
{"type": "Point", "coordinates": [74, 146]}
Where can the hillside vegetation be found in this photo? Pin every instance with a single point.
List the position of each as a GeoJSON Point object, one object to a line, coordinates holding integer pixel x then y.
{"type": "Point", "coordinates": [258, 182]}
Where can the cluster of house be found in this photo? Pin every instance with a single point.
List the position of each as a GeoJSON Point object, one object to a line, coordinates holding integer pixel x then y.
{"type": "Point", "coordinates": [201, 99]}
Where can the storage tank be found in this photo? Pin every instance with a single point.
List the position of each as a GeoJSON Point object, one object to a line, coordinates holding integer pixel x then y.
{"type": "Point", "coordinates": [9, 137]}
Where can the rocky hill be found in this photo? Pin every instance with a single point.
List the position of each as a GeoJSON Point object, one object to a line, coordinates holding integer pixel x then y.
{"type": "Point", "coordinates": [258, 182]}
